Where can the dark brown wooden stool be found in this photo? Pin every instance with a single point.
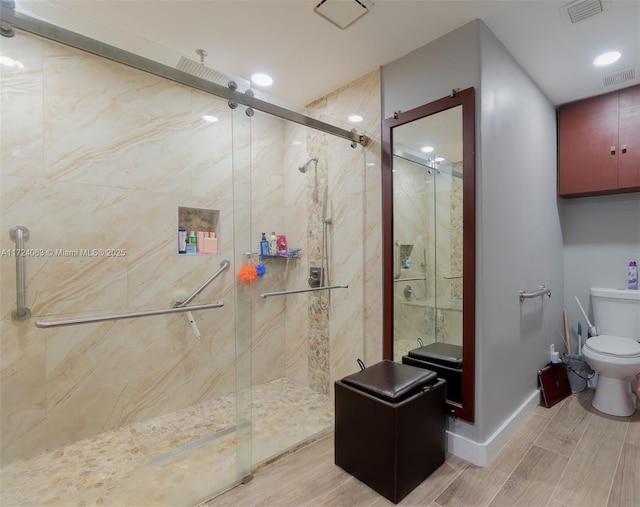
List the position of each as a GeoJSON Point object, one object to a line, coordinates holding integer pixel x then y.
{"type": "Point", "coordinates": [390, 426]}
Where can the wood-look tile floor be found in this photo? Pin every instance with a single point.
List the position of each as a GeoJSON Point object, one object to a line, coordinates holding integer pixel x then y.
{"type": "Point", "coordinates": [568, 455]}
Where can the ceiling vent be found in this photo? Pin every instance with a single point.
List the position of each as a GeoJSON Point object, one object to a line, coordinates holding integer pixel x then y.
{"type": "Point", "coordinates": [581, 10]}
{"type": "Point", "coordinates": [620, 77]}
{"type": "Point", "coordinates": [343, 13]}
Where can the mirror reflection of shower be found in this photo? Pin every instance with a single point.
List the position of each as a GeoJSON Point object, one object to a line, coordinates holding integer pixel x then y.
{"type": "Point", "coordinates": [326, 221]}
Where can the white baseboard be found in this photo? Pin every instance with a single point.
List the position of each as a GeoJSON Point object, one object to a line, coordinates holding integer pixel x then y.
{"type": "Point", "coordinates": [481, 453]}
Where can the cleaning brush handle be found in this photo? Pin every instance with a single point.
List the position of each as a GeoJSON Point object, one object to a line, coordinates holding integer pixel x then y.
{"type": "Point", "coordinates": [583, 312]}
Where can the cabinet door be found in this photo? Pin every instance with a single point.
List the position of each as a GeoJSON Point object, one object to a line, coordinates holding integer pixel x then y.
{"type": "Point", "coordinates": [629, 138]}
{"type": "Point", "coordinates": [587, 131]}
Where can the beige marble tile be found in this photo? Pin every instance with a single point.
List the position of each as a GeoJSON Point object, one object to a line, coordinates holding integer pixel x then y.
{"type": "Point", "coordinates": [123, 121]}
{"type": "Point", "coordinates": [22, 392]}
{"type": "Point", "coordinates": [21, 91]}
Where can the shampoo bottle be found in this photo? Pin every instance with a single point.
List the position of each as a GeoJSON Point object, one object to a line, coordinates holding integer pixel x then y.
{"type": "Point", "coordinates": [264, 246]}
{"type": "Point", "coordinates": [191, 243]}
{"type": "Point", "coordinates": [632, 276]}
{"type": "Point", "coordinates": [273, 244]}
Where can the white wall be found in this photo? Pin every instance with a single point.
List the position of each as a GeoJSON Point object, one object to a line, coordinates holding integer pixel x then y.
{"type": "Point", "coordinates": [519, 236]}
{"type": "Point", "coordinates": [519, 243]}
{"type": "Point", "coordinates": [601, 235]}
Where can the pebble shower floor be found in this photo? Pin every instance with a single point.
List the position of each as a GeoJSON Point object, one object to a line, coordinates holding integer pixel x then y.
{"type": "Point", "coordinates": [174, 459]}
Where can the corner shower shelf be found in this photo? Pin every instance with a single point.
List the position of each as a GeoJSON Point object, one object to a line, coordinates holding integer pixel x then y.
{"type": "Point", "coordinates": [292, 253]}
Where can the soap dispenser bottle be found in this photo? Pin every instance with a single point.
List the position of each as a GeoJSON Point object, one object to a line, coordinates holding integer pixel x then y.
{"type": "Point", "coordinates": [632, 276]}
{"type": "Point", "coordinates": [264, 246]}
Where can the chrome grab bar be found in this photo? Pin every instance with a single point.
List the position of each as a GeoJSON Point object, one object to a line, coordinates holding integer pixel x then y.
{"type": "Point", "coordinates": [223, 265]}
{"type": "Point", "coordinates": [410, 279]}
{"type": "Point", "coordinates": [296, 291]}
{"type": "Point", "coordinates": [132, 315]}
{"type": "Point", "coordinates": [541, 292]}
{"type": "Point", "coordinates": [19, 233]}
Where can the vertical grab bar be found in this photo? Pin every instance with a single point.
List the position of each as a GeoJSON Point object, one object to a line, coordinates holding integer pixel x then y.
{"type": "Point", "coordinates": [396, 264]}
{"type": "Point", "coordinates": [19, 233]}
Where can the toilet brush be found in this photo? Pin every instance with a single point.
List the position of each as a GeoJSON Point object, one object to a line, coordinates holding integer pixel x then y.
{"type": "Point", "coordinates": [592, 329]}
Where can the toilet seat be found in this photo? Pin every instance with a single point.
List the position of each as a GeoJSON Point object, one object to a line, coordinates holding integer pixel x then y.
{"type": "Point", "coordinates": [615, 346]}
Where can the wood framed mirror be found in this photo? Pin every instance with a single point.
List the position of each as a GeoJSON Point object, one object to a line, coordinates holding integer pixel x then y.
{"type": "Point", "coordinates": [428, 206]}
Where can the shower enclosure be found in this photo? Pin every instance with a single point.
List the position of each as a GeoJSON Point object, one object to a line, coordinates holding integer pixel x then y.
{"type": "Point", "coordinates": [104, 163]}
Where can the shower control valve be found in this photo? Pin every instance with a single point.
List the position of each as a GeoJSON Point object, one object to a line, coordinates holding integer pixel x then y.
{"type": "Point", "coordinates": [315, 277]}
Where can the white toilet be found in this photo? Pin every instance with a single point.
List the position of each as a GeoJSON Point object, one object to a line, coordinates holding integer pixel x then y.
{"type": "Point", "coordinates": [615, 352]}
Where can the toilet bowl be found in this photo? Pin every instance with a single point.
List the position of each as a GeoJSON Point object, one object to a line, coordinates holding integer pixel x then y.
{"type": "Point", "coordinates": [615, 353]}
{"type": "Point", "coordinates": [617, 361]}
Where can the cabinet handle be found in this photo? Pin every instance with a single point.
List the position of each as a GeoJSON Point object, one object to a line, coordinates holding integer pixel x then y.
{"type": "Point", "coordinates": [613, 150]}
{"type": "Point", "coordinates": [624, 148]}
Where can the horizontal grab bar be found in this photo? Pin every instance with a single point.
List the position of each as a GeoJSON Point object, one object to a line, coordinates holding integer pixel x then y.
{"type": "Point", "coordinates": [132, 315]}
{"type": "Point", "coordinates": [223, 265]}
{"type": "Point", "coordinates": [296, 291]}
{"type": "Point", "coordinates": [541, 292]}
{"type": "Point", "coordinates": [410, 279]}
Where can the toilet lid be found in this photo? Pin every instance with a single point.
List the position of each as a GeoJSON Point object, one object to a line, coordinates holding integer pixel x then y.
{"type": "Point", "coordinates": [614, 346]}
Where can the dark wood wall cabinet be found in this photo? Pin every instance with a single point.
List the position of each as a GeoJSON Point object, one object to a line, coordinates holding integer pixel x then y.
{"type": "Point", "coordinates": [599, 144]}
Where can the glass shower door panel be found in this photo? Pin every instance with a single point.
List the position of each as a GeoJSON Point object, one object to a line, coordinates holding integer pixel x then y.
{"type": "Point", "coordinates": [134, 411]}
{"type": "Point", "coordinates": [243, 293]}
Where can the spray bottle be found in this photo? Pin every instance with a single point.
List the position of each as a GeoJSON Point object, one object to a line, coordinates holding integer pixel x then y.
{"type": "Point", "coordinates": [632, 276]}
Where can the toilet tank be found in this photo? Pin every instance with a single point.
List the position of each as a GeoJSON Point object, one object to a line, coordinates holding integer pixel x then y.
{"type": "Point", "coordinates": [616, 311]}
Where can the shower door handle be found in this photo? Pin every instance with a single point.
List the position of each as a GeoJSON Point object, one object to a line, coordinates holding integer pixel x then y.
{"type": "Point", "coordinates": [396, 265]}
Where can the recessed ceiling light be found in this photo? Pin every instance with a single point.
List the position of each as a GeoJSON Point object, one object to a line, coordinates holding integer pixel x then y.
{"type": "Point", "coordinates": [260, 79]}
{"type": "Point", "coordinates": [426, 149]}
{"type": "Point", "coordinates": [210, 118]}
{"type": "Point", "coordinates": [606, 58]}
{"type": "Point", "coordinates": [439, 159]}
{"type": "Point", "coordinates": [354, 118]}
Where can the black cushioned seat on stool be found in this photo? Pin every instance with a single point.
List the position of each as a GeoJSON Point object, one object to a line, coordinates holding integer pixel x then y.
{"type": "Point", "coordinates": [390, 426]}
{"type": "Point", "coordinates": [443, 358]}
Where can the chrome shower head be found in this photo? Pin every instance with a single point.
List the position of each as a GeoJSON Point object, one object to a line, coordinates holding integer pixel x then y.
{"type": "Point", "coordinates": [303, 168]}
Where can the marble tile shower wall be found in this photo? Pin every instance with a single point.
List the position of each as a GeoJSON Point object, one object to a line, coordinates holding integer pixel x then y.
{"type": "Point", "coordinates": [354, 193]}
{"type": "Point", "coordinates": [99, 155]}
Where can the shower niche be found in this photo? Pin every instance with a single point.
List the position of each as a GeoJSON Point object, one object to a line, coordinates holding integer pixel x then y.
{"type": "Point", "coordinates": [198, 231]}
